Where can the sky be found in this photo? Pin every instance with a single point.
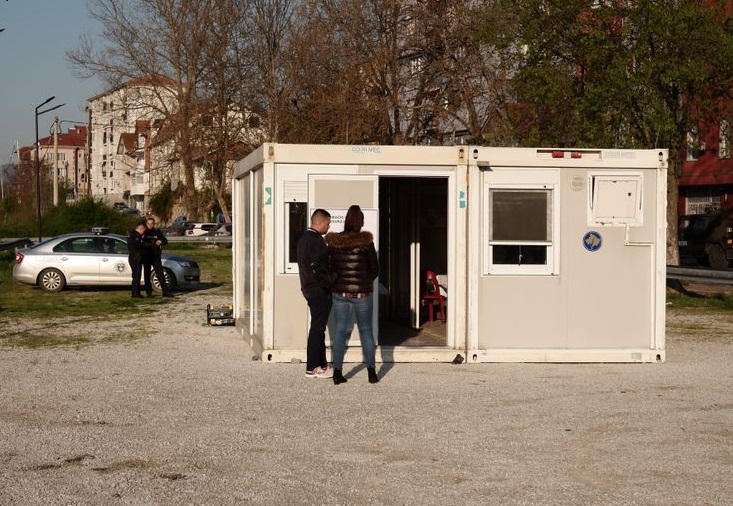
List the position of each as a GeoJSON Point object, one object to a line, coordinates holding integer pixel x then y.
{"type": "Point", "coordinates": [33, 66]}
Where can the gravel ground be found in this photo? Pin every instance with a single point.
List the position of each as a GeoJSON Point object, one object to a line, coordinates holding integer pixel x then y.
{"type": "Point", "coordinates": [184, 415]}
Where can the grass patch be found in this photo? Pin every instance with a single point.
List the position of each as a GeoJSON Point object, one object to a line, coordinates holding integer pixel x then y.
{"type": "Point", "coordinates": [24, 301]}
{"type": "Point", "coordinates": [215, 262]}
{"type": "Point", "coordinates": [18, 300]}
{"type": "Point", "coordinates": [719, 301]}
{"type": "Point", "coordinates": [47, 334]}
{"type": "Point", "coordinates": [29, 339]}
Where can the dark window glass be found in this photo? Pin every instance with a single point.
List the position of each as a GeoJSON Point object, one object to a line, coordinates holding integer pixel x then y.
{"type": "Point", "coordinates": [297, 224]}
{"type": "Point", "coordinates": [520, 215]}
{"type": "Point", "coordinates": [520, 255]}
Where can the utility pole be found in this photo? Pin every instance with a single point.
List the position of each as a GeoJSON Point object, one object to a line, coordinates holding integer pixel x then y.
{"type": "Point", "coordinates": [13, 151]}
{"type": "Point", "coordinates": [55, 164]}
{"type": "Point", "coordinates": [2, 174]}
{"type": "Point", "coordinates": [38, 164]}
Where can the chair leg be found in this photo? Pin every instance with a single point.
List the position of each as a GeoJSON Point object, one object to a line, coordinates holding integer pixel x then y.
{"type": "Point", "coordinates": [442, 310]}
{"type": "Point", "coordinates": [430, 310]}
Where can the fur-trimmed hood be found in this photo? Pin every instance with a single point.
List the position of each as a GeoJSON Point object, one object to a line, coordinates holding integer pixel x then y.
{"type": "Point", "coordinates": [349, 240]}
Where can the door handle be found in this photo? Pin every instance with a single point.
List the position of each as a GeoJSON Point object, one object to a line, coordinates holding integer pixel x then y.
{"type": "Point", "coordinates": [105, 260]}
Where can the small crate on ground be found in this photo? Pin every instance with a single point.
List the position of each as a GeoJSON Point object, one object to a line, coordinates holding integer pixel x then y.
{"type": "Point", "coordinates": [222, 314]}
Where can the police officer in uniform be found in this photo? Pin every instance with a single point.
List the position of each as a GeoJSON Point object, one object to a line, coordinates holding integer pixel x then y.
{"type": "Point", "coordinates": [135, 248]}
{"type": "Point", "coordinates": [154, 240]}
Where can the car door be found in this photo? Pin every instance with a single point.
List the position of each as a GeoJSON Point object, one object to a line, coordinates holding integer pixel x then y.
{"type": "Point", "coordinates": [114, 269]}
{"type": "Point", "coordinates": [78, 261]}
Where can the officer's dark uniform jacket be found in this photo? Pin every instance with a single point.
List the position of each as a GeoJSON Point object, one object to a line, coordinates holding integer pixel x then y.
{"type": "Point", "coordinates": [311, 248]}
{"type": "Point", "coordinates": [152, 250]}
{"type": "Point", "coordinates": [135, 247]}
{"type": "Point", "coordinates": [354, 258]}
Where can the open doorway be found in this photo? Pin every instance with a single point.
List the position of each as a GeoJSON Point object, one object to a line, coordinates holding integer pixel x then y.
{"type": "Point", "coordinates": [413, 239]}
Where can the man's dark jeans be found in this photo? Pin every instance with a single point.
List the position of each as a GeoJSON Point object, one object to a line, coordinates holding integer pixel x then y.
{"type": "Point", "coordinates": [320, 309]}
{"type": "Point", "coordinates": [150, 263]}
{"type": "Point", "coordinates": [136, 267]}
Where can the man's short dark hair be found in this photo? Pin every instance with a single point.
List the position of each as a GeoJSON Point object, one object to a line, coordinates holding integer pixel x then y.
{"type": "Point", "coordinates": [142, 223]}
{"type": "Point", "coordinates": [320, 214]}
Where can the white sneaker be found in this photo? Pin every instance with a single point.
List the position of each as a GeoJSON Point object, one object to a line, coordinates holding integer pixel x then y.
{"type": "Point", "coordinates": [326, 372]}
{"type": "Point", "coordinates": [320, 372]}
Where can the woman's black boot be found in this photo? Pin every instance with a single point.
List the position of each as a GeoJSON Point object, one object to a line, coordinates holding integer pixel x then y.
{"type": "Point", "coordinates": [338, 377]}
{"type": "Point", "coordinates": [373, 378]}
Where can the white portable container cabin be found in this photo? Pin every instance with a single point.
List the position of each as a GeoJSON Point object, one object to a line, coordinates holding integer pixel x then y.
{"type": "Point", "coordinates": [543, 255]}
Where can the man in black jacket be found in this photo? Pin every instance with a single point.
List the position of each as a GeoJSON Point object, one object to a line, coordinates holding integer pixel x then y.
{"type": "Point", "coordinates": [135, 248]}
{"type": "Point", "coordinates": [312, 249]}
{"type": "Point", "coordinates": [154, 240]}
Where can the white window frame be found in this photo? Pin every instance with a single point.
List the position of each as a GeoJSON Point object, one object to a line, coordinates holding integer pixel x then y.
{"type": "Point", "coordinates": [693, 144]}
{"type": "Point", "coordinates": [292, 267]}
{"type": "Point", "coordinates": [724, 139]}
{"type": "Point", "coordinates": [526, 180]}
{"type": "Point", "coordinates": [595, 179]}
{"type": "Point", "coordinates": [291, 187]}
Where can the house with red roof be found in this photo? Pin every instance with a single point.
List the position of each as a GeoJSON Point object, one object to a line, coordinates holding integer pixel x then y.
{"type": "Point", "coordinates": [706, 178]}
{"type": "Point", "coordinates": [66, 154]}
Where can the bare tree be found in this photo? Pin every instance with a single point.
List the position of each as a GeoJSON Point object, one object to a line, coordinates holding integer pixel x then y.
{"type": "Point", "coordinates": [258, 52]}
{"type": "Point", "coordinates": [391, 71]}
{"type": "Point", "coordinates": [169, 43]}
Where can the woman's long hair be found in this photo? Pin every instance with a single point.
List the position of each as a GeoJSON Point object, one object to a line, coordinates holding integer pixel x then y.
{"type": "Point", "coordinates": [354, 219]}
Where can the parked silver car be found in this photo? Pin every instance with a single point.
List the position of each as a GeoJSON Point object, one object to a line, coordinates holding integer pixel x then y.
{"type": "Point", "coordinates": [223, 230]}
{"type": "Point", "coordinates": [196, 229]}
{"type": "Point", "coordinates": [92, 259]}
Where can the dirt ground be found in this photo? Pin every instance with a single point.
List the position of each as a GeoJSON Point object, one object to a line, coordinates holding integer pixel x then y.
{"type": "Point", "coordinates": [183, 415]}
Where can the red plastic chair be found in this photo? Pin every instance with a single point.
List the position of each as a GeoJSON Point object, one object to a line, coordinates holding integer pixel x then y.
{"type": "Point", "coordinates": [432, 294]}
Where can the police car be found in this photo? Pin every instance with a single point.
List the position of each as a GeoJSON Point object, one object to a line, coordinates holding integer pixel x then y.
{"type": "Point", "coordinates": [96, 258]}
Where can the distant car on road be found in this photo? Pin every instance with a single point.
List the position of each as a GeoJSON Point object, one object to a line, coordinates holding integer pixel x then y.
{"type": "Point", "coordinates": [129, 210]}
{"type": "Point", "coordinates": [196, 229]}
{"type": "Point", "coordinates": [222, 230]}
{"type": "Point", "coordinates": [178, 226]}
{"type": "Point", "coordinates": [92, 259]}
{"type": "Point", "coordinates": [707, 238]}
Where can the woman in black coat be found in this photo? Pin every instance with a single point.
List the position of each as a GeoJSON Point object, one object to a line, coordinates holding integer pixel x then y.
{"type": "Point", "coordinates": [354, 258]}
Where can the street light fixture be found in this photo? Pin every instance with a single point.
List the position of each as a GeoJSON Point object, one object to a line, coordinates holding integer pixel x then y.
{"type": "Point", "coordinates": [38, 164]}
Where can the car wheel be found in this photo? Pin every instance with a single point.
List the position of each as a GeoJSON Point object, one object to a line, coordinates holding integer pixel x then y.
{"type": "Point", "coordinates": [170, 280]}
{"type": "Point", "coordinates": [51, 280]}
{"type": "Point", "coordinates": [716, 257]}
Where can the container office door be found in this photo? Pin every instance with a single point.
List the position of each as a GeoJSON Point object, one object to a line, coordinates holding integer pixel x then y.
{"type": "Point", "coordinates": [336, 193]}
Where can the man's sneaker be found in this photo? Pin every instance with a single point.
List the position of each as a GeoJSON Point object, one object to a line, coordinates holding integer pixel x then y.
{"type": "Point", "coordinates": [319, 372]}
{"type": "Point", "coordinates": [326, 372]}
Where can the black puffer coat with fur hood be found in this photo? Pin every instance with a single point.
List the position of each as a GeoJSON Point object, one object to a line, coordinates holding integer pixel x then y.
{"type": "Point", "coordinates": [354, 258]}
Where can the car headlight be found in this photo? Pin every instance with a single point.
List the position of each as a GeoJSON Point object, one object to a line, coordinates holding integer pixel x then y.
{"type": "Point", "coordinates": [186, 263]}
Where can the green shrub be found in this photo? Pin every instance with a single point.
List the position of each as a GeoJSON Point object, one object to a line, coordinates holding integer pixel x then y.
{"type": "Point", "coordinates": [80, 216]}
{"type": "Point", "coordinates": [162, 202]}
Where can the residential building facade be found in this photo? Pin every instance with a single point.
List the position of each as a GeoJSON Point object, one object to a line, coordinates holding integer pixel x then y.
{"type": "Point", "coordinates": [706, 177]}
{"type": "Point", "coordinates": [67, 154]}
{"type": "Point", "coordinates": [119, 126]}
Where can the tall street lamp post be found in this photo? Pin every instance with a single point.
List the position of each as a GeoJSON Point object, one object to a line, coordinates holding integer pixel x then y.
{"type": "Point", "coordinates": [38, 164]}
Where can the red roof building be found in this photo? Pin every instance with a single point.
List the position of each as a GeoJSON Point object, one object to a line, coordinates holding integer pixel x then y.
{"type": "Point", "coordinates": [706, 178]}
{"type": "Point", "coordinates": [70, 149]}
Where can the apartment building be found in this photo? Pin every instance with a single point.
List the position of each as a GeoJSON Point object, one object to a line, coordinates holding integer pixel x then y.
{"type": "Point", "coordinates": [119, 125]}
{"type": "Point", "coordinates": [134, 159]}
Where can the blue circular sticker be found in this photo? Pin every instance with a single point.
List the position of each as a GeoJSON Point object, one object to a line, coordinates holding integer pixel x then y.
{"type": "Point", "coordinates": [592, 241]}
